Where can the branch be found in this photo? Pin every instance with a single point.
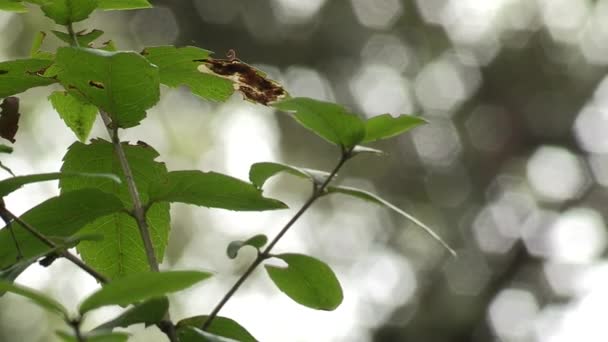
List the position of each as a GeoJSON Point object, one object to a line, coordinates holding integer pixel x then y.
{"type": "Point", "coordinates": [138, 210]}
{"type": "Point", "coordinates": [317, 192]}
{"type": "Point", "coordinates": [64, 253]}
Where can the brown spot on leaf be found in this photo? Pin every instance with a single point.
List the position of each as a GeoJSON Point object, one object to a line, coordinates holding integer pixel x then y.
{"type": "Point", "coordinates": [97, 84]}
{"type": "Point", "coordinates": [253, 84]}
{"type": "Point", "coordinates": [9, 118]}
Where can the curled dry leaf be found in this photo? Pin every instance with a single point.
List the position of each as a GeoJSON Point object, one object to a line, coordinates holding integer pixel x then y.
{"type": "Point", "coordinates": [9, 118]}
{"type": "Point", "coordinates": [252, 83]}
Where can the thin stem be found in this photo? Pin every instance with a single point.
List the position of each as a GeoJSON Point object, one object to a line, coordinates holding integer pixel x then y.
{"type": "Point", "coordinates": [73, 35]}
{"type": "Point", "coordinates": [7, 221]}
{"type": "Point", "coordinates": [138, 210]}
{"type": "Point", "coordinates": [76, 326]}
{"type": "Point", "coordinates": [317, 192]}
{"type": "Point", "coordinates": [64, 253]}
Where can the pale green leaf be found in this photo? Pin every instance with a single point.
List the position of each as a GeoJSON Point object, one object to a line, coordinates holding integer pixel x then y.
{"type": "Point", "coordinates": [192, 334]}
{"type": "Point", "coordinates": [97, 336]}
{"type": "Point", "coordinates": [65, 12]}
{"type": "Point", "coordinates": [11, 184]}
{"type": "Point", "coordinates": [78, 115]}
{"type": "Point", "coordinates": [123, 4]}
{"type": "Point", "coordinates": [37, 297]}
{"type": "Point", "coordinates": [12, 6]}
{"type": "Point", "coordinates": [256, 242]}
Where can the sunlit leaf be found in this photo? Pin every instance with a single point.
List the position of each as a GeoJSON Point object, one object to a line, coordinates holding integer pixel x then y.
{"type": "Point", "coordinates": [22, 74]}
{"type": "Point", "coordinates": [12, 6]}
{"type": "Point", "coordinates": [78, 115]}
{"type": "Point", "coordinates": [178, 66]}
{"type": "Point", "coordinates": [368, 196]}
{"type": "Point", "coordinates": [95, 336]}
{"type": "Point", "coordinates": [143, 286]}
{"type": "Point", "coordinates": [307, 280]}
{"type": "Point", "coordinates": [123, 4]}
{"type": "Point", "coordinates": [124, 84]}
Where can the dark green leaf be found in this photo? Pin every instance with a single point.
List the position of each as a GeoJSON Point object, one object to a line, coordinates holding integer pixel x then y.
{"type": "Point", "coordinates": [256, 242]}
{"type": "Point", "coordinates": [143, 286]}
{"type": "Point", "coordinates": [221, 326]}
{"type": "Point", "coordinates": [5, 149]}
{"type": "Point", "coordinates": [368, 196]}
{"type": "Point", "coordinates": [12, 6]}
{"type": "Point", "coordinates": [149, 312]}
{"type": "Point", "coordinates": [20, 75]}
{"type": "Point", "coordinates": [121, 252]}
{"type": "Point", "coordinates": [61, 216]}
{"type": "Point", "coordinates": [37, 297]}
{"type": "Point", "coordinates": [328, 120]}
{"type": "Point", "coordinates": [307, 281]}
{"type": "Point", "coordinates": [65, 12]}
{"type": "Point", "coordinates": [76, 113]}
{"type": "Point", "coordinates": [9, 118]}
{"type": "Point", "coordinates": [192, 334]}
{"type": "Point", "coordinates": [385, 126]}
{"type": "Point", "coordinates": [11, 184]}
{"type": "Point", "coordinates": [101, 336]}
{"type": "Point", "coordinates": [178, 66]}
{"type": "Point", "coordinates": [211, 189]}
{"type": "Point", "coordinates": [259, 173]}
{"type": "Point", "coordinates": [123, 4]}
{"type": "Point", "coordinates": [124, 84]}
{"type": "Point", "coordinates": [84, 38]}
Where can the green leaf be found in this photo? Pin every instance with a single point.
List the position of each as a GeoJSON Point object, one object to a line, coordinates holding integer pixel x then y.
{"type": "Point", "coordinates": [368, 196]}
{"type": "Point", "coordinates": [65, 12]}
{"type": "Point", "coordinates": [259, 173]}
{"type": "Point", "coordinates": [94, 336]}
{"type": "Point", "coordinates": [385, 126]}
{"type": "Point", "coordinates": [307, 281]}
{"type": "Point", "coordinates": [221, 326]}
{"type": "Point", "coordinates": [11, 184]}
{"type": "Point", "coordinates": [256, 242]}
{"type": "Point", "coordinates": [77, 114]}
{"type": "Point", "coordinates": [178, 66]}
{"type": "Point", "coordinates": [149, 312]}
{"type": "Point", "coordinates": [192, 334]}
{"type": "Point", "coordinates": [121, 252]}
{"type": "Point", "coordinates": [37, 297]}
{"type": "Point", "coordinates": [124, 84]}
{"type": "Point", "coordinates": [328, 120]}
{"type": "Point", "coordinates": [61, 216]}
{"type": "Point", "coordinates": [84, 38]}
{"type": "Point", "coordinates": [211, 189]}
{"type": "Point", "coordinates": [143, 286]}
{"type": "Point", "coordinates": [20, 75]}
{"type": "Point", "coordinates": [35, 51]}
{"type": "Point", "coordinates": [123, 4]}
{"type": "Point", "coordinates": [12, 6]}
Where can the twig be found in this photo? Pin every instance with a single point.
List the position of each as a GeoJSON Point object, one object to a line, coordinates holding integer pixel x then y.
{"type": "Point", "coordinates": [318, 191]}
{"type": "Point", "coordinates": [64, 253]}
{"type": "Point", "coordinates": [138, 210]}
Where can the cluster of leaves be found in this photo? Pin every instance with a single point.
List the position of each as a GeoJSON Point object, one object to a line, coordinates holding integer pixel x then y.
{"type": "Point", "coordinates": [95, 211]}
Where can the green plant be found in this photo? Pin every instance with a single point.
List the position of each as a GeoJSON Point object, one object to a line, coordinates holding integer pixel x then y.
{"type": "Point", "coordinates": [114, 182]}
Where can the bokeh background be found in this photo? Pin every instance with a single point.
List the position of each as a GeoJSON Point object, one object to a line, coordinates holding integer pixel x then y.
{"type": "Point", "coordinates": [512, 169]}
